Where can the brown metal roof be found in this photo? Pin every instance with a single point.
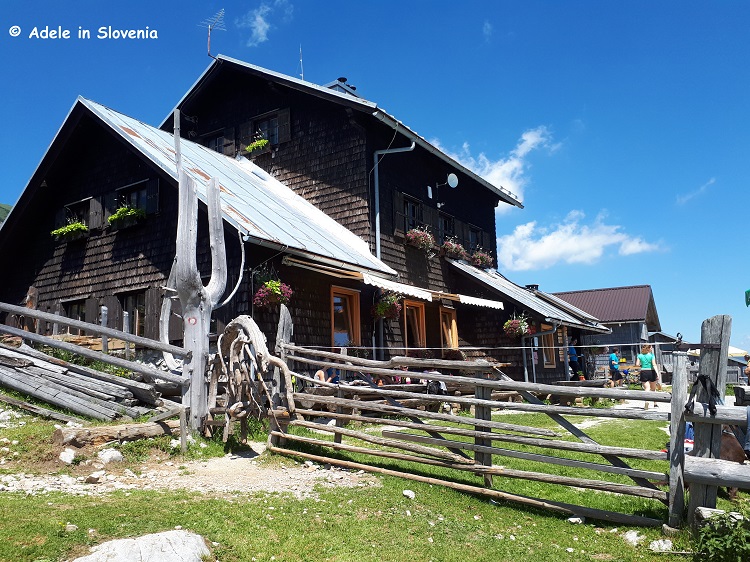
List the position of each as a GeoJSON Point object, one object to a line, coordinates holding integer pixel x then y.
{"type": "Point", "coordinates": [617, 304]}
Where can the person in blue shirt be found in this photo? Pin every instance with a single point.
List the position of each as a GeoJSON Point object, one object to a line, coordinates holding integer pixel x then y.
{"type": "Point", "coordinates": [573, 358]}
{"type": "Point", "coordinates": [329, 375]}
{"type": "Point", "coordinates": [614, 367]}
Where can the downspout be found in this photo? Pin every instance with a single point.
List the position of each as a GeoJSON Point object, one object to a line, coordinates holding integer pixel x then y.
{"type": "Point", "coordinates": [376, 157]}
{"type": "Point", "coordinates": [555, 325]}
{"type": "Point", "coordinates": [377, 189]}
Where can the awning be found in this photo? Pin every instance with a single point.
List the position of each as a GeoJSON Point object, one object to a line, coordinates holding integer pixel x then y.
{"type": "Point", "coordinates": [480, 302]}
{"type": "Point", "coordinates": [400, 288]}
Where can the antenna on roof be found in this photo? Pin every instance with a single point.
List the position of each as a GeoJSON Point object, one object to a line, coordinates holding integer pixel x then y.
{"type": "Point", "coordinates": [301, 68]}
{"type": "Point", "coordinates": [215, 22]}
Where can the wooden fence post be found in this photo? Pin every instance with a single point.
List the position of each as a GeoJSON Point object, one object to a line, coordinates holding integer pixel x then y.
{"type": "Point", "coordinates": [126, 329]}
{"type": "Point", "coordinates": [677, 439]}
{"type": "Point", "coordinates": [103, 321]}
{"type": "Point", "coordinates": [483, 413]}
{"type": "Point", "coordinates": [715, 334]}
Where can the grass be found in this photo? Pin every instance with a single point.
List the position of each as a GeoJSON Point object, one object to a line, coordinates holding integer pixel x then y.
{"type": "Point", "coordinates": [342, 524]}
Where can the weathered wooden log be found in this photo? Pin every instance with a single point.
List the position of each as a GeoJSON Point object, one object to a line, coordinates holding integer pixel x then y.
{"type": "Point", "coordinates": [394, 410]}
{"type": "Point", "coordinates": [39, 411]}
{"type": "Point", "coordinates": [143, 391]}
{"type": "Point", "coordinates": [548, 459]}
{"type": "Point", "coordinates": [43, 390]}
{"type": "Point", "coordinates": [715, 334]}
{"type": "Point", "coordinates": [559, 507]}
{"type": "Point", "coordinates": [67, 383]}
{"type": "Point", "coordinates": [83, 436]}
{"type": "Point", "coordinates": [715, 472]}
{"type": "Point", "coordinates": [93, 328]}
{"type": "Point", "coordinates": [96, 356]}
{"type": "Point", "coordinates": [85, 395]}
{"type": "Point", "coordinates": [510, 385]}
{"type": "Point", "coordinates": [725, 415]}
{"type": "Point", "coordinates": [632, 413]}
{"type": "Point", "coordinates": [491, 470]}
{"type": "Point", "coordinates": [394, 443]}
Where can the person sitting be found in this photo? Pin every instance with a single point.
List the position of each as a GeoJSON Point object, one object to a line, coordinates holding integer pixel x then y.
{"type": "Point", "coordinates": [329, 375]}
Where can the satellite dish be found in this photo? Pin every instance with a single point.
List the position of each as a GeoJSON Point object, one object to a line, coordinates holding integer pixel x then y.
{"type": "Point", "coordinates": [452, 180]}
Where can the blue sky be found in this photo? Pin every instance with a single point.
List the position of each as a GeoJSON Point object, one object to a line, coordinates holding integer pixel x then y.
{"type": "Point", "coordinates": [623, 126]}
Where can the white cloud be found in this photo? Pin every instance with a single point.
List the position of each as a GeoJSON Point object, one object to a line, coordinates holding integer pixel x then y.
{"type": "Point", "coordinates": [682, 199]}
{"type": "Point", "coordinates": [487, 30]}
{"type": "Point", "coordinates": [531, 247]}
{"type": "Point", "coordinates": [509, 172]}
{"type": "Point", "coordinates": [258, 20]}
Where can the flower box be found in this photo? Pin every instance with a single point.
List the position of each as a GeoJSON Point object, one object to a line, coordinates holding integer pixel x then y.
{"type": "Point", "coordinates": [421, 239]}
{"type": "Point", "coordinates": [453, 249]}
{"type": "Point", "coordinates": [126, 216]}
{"type": "Point", "coordinates": [480, 258]}
{"type": "Point", "coordinates": [72, 231]}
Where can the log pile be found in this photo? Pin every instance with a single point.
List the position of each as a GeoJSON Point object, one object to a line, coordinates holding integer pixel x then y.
{"type": "Point", "coordinates": [80, 390]}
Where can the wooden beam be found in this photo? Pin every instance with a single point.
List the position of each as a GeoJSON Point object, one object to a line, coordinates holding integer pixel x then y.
{"type": "Point", "coordinates": [559, 507]}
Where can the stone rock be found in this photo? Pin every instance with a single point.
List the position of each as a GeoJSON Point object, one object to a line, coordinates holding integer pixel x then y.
{"type": "Point", "coordinates": [661, 545]}
{"type": "Point", "coordinates": [67, 456]}
{"type": "Point", "coordinates": [70, 528]}
{"type": "Point", "coordinates": [95, 477]}
{"type": "Point", "coordinates": [170, 546]}
{"type": "Point", "coordinates": [109, 455]}
{"type": "Point", "coordinates": [632, 538]}
{"type": "Point", "coordinates": [575, 520]}
{"type": "Point", "coordinates": [409, 494]}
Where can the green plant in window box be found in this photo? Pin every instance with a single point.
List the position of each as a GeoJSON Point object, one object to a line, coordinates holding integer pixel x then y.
{"type": "Point", "coordinates": [72, 231]}
{"type": "Point", "coordinates": [451, 248]}
{"type": "Point", "coordinates": [126, 215]}
{"type": "Point", "coordinates": [481, 258]}
{"type": "Point", "coordinates": [256, 146]}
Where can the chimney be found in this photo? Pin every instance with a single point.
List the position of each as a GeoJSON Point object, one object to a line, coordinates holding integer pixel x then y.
{"type": "Point", "coordinates": [532, 288]}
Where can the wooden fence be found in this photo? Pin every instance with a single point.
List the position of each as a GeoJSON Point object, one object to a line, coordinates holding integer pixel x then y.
{"type": "Point", "coordinates": [416, 429]}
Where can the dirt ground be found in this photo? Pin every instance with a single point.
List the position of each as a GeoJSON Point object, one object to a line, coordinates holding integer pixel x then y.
{"type": "Point", "coordinates": [247, 472]}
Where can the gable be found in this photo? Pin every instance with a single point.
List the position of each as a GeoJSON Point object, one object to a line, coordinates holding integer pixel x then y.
{"type": "Point", "coordinates": [208, 85]}
{"type": "Point", "coordinates": [617, 304]}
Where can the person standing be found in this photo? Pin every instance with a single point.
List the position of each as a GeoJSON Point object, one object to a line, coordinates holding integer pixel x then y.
{"type": "Point", "coordinates": [645, 361]}
{"type": "Point", "coordinates": [614, 367]}
{"type": "Point", "coordinates": [573, 359]}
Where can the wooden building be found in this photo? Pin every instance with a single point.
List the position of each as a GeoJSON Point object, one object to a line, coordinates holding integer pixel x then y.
{"type": "Point", "coordinates": [321, 190]}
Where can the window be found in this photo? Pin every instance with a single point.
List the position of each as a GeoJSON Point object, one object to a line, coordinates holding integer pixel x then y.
{"type": "Point", "coordinates": [475, 238]}
{"type": "Point", "coordinates": [446, 227]}
{"type": "Point", "coordinates": [344, 317]}
{"type": "Point", "coordinates": [548, 347]}
{"type": "Point", "coordinates": [75, 310]}
{"type": "Point", "coordinates": [78, 212]}
{"type": "Point", "coordinates": [135, 305]}
{"type": "Point", "coordinates": [216, 143]}
{"type": "Point", "coordinates": [414, 333]}
{"type": "Point", "coordinates": [135, 197]}
{"type": "Point", "coordinates": [412, 214]}
{"type": "Point", "coordinates": [268, 129]}
{"type": "Point", "coordinates": [448, 329]}
{"type": "Point", "coordinates": [274, 126]}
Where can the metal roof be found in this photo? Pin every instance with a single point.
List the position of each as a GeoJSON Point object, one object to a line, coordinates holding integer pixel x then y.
{"type": "Point", "coordinates": [529, 299]}
{"type": "Point", "coordinates": [616, 304]}
{"type": "Point", "coordinates": [353, 101]}
{"type": "Point", "coordinates": [252, 201]}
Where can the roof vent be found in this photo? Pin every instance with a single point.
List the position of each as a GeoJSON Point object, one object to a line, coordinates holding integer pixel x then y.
{"type": "Point", "coordinates": [532, 287]}
{"type": "Point", "coordinates": [341, 85]}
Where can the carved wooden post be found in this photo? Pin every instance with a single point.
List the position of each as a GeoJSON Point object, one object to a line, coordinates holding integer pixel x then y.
{"type": "Point", "coordinates": [198, 301]}
{"type": "Point", "coordinates": [126, 329]}
{"type": "Point", "coordinates": [677, 439]}
{"type": "Point", "coordinates": [715, 334]}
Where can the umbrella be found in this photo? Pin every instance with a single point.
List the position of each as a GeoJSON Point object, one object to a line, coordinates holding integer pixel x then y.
{"type": "Point", "coordinates": [732, 352]}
